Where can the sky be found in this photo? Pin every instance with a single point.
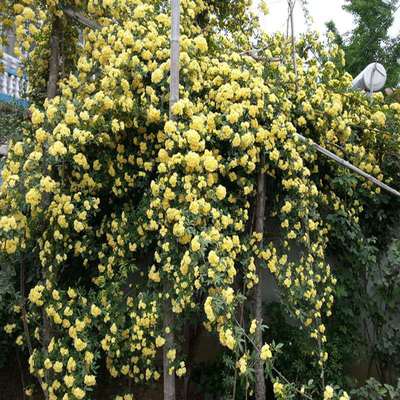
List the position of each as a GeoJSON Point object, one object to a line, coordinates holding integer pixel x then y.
{"type": "Point", "coordinates": [321, 11]}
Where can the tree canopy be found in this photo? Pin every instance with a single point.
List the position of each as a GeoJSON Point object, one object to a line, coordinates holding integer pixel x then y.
{"type": "Point", "coordinates": [369, 41]}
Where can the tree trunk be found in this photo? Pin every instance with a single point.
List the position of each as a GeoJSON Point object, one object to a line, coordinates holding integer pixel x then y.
{"type": "Point", "coordinates": [169, 379]}
{"type": "Point", "coordinates": [259, 228]}
{"type": "Point", "coordinates": [54, 61]}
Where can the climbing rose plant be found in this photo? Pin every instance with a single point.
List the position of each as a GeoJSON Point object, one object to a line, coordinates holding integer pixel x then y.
{"type": "Point", "coordinates": [118, 207]}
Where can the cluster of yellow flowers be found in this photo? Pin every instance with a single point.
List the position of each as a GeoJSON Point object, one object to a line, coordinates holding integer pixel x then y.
{"type": "Point", "coordinates": [119, 199]}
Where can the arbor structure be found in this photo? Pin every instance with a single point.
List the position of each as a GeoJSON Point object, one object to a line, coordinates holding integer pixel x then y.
{"type": "Point", "coordinates": [121, 200]}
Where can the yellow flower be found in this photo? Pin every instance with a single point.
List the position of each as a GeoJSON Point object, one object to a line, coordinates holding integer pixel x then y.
{"type": "Point", "coordinates": [37, 117]}
{"type": "Point", "coordinates": [78, 393]}
{"type": "Point", "coordinates": [79, 344]}
{"type": "Point", "coordinates": [81, 160]}
{"type": "Point", "coordinates": [18, 149]}
{"type": "Point", "coordinates": [89, 357]}
{"type": "Point", "coordinates": [95, 311]}
{"type": "Point", "coordinates": [209, 310]}
{"type": "Point", "coordinates": [228, 295]}
{"type": "Point", "coordinates": [69, 380]}
{"type": "Point", "coordinates": [242, 364]}
{"type": "Point", "coordinates": [210, 163]}
{"type": "Point", "coordinates": [230, 341]}
{"type": "Point", "coordinates": [157, 76]}
{"type": "Point", "coordinates": [278, 388]}
{"type": "Point", "coordinates": [35, 295]}
{"type": "Point", "coordinates": [153, 114]}
{"type": "Point", "coordinates": [90, 380]}
{"type": "Point", "coordinates": [160, 341]}
{"type": "Point", "coordinates": [70, 117]}
{"type": "Point", "coordinates": [9, 328]}
{"type": "Point", "coordinates": [193, 139]}
{"type": "Point", "coordinates": [48, 184]}
{"type": "Point", "coordinates": [220, 192]}
{"type": "Point", "coordinates": [171, 354]}
{"type": "Point", "coordinates": [195, 244]}
{"type": "Point", "coordinates": [178, 230]}
{"type": "Point", "coordinates": [20, 340]}
{"type": "Point", "coordinates": [192, 160]}
{"type": "Point", "coordinates": [78, 226]}
{"type": "Point", "coordinates": [253, 326]}
{"type": "Point", "coordinates": [181, 371]}
{"type": "Point", "coordinates": [72, 293]}
{"type": "Point", "coordinates": [328, 393]}
{"type": "Point", "coordinates": [71, 364]}
{"type": "Point", "coordinates": [33, 197]}
{"type": "Point", "coordinates": [263, 7]}
{"type": "Point", "coordinates": [113, 329]}
{"type": "Point", "coordinates": [170, 127]}
{"type": "Point", "coordinates": [57, 149]}
{"type": "Point", "coordinates": [58, 366]}
{"type": "Point", "coordinates": [287, 207]}
{"type": "Point", "coordinates": [265, 352]}
{"type": "Point", "coordinates": [379, 118]}
{"type": "Point", "coordinates": [201, 43]}
{"type": "Point", "coordinates": [213, 258]}
{"type": "Point", "coordinates": [153, 275]}
{"type": "Point", "coordinates": [247, 139]}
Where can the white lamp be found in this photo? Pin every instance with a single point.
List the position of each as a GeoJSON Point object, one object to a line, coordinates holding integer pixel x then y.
{"type": "Point", "coordinates": [371, 79]}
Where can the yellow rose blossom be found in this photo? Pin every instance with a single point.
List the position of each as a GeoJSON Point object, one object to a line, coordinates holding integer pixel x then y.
{"type": "Point", "coordinates": [33, 197]}
{"type": "Point", "coordinates": [89, 380]}
{"type": "Point", "coordinates": [210, 163]}
{"type": "Point", "coordinates": [265, 352]}
{"type": "Point", "coordinates": [57, 149]}
{"type": "Point", "coordinates": [78, 393]}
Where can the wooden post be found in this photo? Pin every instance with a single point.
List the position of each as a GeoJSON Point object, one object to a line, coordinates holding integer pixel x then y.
{"type": "Point", "coordinates": [258, 315]}
{"type": "Point", "coordinates": [169, 379]}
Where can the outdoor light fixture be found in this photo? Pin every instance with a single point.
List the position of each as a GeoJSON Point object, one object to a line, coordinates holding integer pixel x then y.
{"type": "Point", "coordinates": [371, 79]}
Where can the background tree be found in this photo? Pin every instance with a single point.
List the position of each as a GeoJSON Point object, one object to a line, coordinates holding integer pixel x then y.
{"type": "Point", "coordinates": [369, 41]}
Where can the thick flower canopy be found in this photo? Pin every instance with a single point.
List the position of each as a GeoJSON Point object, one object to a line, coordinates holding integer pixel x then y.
{"type": "Point", "coordinates": [110, 200]}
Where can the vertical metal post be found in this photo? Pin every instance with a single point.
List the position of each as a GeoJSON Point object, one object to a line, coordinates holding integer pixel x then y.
{"type": "Point", "coordinates": [175, 51]}
{"type": "Point", "coordinates": [169, 379]}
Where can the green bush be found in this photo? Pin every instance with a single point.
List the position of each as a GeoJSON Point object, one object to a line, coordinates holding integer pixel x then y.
{"type": "Point", "coordinates": [12, 117]}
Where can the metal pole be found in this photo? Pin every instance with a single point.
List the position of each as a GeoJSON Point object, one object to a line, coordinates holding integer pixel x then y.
{"type": "Point", "coordinates": [348, 165]}
{"type": "Point", "coordinates": [169, 379]}
{"type": "Point", "coordinates": [175, 51]}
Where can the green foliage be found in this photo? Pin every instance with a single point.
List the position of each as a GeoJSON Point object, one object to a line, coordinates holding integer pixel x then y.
{"type": "Point", "coordinates": [369, 41]}
{"type": "Point", "coordinates": [216, 380]}
{"type": "Point", "coordinates": [384, 310]}
{"type": "Point", "coordinates": [297, 358]}
{"type": "Point", "coordinates": [374, 390]}
{"type": "Point", "coordinates": [228, 11]}
{"type": "Point", "coordinates": [11, 121]}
